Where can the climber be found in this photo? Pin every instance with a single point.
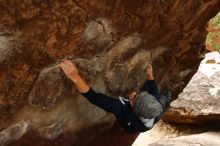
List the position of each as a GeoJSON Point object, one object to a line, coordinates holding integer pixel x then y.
{"type": "Point", "coordinates": [138, 114]}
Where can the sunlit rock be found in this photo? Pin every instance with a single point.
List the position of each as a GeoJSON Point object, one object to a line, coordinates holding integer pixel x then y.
{"type": "Point", "coordinates": [199, 102]}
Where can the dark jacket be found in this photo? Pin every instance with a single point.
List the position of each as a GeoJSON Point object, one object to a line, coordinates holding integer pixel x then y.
{"type": "Point", "coordinates": [122, 110]}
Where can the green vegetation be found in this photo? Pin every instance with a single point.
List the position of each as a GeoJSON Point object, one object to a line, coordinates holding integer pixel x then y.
{"type": "Point", "coordinates": [213, 38]}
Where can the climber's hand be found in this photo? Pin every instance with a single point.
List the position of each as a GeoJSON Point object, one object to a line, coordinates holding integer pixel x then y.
{"type": "Point", "coordinates": [149, 71]}
{"type": "Point", "coordinates": [70, 70]}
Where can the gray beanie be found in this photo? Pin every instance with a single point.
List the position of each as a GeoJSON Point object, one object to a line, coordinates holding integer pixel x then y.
{"type": "Point", "coordinates": [147, 106]}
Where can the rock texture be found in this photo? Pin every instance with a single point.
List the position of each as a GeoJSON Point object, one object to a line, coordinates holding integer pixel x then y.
{"type": "Point", "coordinates": [111, 41]}
{"type": "Point", "coordinates": [14, 132]}
{"type": "Point", "coordinates": [207, 139]}
{"type": "Point", "coordinates": [199, 101]}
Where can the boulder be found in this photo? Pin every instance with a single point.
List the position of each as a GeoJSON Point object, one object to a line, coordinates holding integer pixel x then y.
{"type": "Point", "coordinates": [111, 42]}
{"type": "Point", "coordinates": [199, 103]}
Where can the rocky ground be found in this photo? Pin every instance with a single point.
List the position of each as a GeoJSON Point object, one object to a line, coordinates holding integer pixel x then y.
{"type": "Point", "coordinates": [165, 131]}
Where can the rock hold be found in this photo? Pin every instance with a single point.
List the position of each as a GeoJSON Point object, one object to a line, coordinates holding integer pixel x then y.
{"type": "Point", "coordinates": [48, 87]}
{"type": "Point", "coordinates": [98, 33]}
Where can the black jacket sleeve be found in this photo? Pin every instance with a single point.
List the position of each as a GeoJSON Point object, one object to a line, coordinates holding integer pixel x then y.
{"type": "Point", "coordinates": [105, 102]}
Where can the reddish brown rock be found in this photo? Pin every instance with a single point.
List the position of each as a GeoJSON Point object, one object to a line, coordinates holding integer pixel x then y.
{"type": "Point", "coordinates": [100, 36]}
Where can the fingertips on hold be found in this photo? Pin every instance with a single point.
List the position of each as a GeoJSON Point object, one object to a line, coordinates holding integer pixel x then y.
{"type": "Point", "coordinates": [63, 65]}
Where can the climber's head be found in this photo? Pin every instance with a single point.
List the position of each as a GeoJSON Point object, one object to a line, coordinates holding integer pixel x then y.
{"type": "Point", "coordinates": [145, 105]}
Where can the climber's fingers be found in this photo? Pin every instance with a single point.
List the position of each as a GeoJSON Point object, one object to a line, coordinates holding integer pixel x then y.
{"type": "Point", "coordinates": [68, 67]}
{"type": "Point", "coordinates": [149, 66]}
{"type": "Point", "coordinates": [71, 65]}
{"type": "Point", "coordinates": [64, 67]}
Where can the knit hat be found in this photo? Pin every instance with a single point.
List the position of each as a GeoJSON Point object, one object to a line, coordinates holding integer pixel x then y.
{"type": "Point", "coordinates": [147, 106]}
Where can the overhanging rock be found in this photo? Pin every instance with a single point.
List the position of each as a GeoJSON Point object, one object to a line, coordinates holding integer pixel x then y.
{"type": "Point", "coordinates": [111, 41]}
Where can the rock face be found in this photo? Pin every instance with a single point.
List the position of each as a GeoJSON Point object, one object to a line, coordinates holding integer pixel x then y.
{"type": "Point", "coordinates": [199, 101]}
{"type": "Point", "coordinates": [110, 41]}
{"type": "Point", "coordinates": [13, 132]}
{"type": "Point", "coordinates": [208, 139]}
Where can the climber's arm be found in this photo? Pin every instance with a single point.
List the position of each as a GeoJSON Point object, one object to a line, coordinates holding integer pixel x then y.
{"type": "Point", "coordinates": [71, 72]}
{"type": "Point", "coordinates": [149, 72]}
{"type": "Point", "coordinates": [150, 78]}
{"type": "Point", "coordinates": [103, 101]}
{"type": "Point", "coordinates": [150, 85]}
{"type": "Point", "coordinates": [81, 85]}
